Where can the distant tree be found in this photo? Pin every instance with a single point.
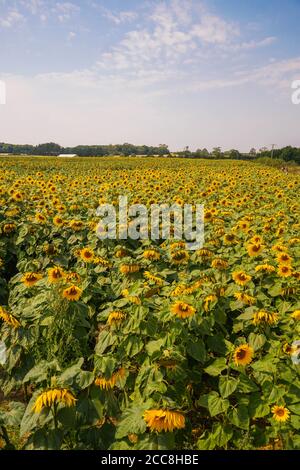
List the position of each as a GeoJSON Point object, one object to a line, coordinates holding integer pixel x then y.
{"type": "Point", "coordinates": [216, 152]}
{"type": "Point", "coordinates": [252, 152]}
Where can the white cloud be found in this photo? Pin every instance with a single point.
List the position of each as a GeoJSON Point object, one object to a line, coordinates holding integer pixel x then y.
{"type": "Point", "coordinates": [12, 18]}
{"type": "Point", "coordinates": [71, 35]}
{"type": "Point", "coordinates": [65, 10]}
{"type": "Point", "coordinates": [120, 17]}
{"type": "Point", "coordinates": [213, 29]}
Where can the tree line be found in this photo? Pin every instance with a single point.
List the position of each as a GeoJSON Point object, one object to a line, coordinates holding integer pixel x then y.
{"type": "Point", "coordinates": [287, 154]}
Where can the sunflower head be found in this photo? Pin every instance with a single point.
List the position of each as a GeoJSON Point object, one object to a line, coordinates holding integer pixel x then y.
{"type": "Point", "coordinates": [72, 293]}
{"type": "Point", "coordinates": [280, 413]}
{"type": "Point", "coordinates": [55, 274]}
{"type": "Point", "coordinates": [183, 310]}
{"type": "Point", "coordinates": [30, 278]}
{"type": "Point", "coordinates": [87, 255]}
{"type": "Point", "coordinates": [243, 355]}
{"type": "Point", "coordinates": [164, 420]}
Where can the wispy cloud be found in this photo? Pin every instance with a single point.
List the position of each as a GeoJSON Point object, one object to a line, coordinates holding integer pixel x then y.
{"type": "Point", "coordinates": [11, 18]}
{"type": "Point", "coordinates": [119, 17]}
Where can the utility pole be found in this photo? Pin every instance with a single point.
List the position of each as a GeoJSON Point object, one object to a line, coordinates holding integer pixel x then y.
{"type": "Point", "coordinates": [272, 153]}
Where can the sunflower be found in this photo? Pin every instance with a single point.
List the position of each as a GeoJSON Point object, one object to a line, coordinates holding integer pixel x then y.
{"type": "Point", "coordinates": [164, 420]}
{"type": "Point", "coordinates": [72, 293]}
{"type": "Point", "coordinates": [87, 255]}
{"type": "Point", "coordinates": [245, 298]}
{"type": "Point", "coordinates": [153, 255]}
{"type": "Point", "coordinates": [40, 218]}
{"type": "Point", "coordinates": [9, 228]}
{"type": "Point", "coordinates": [219, 263]}
{"type": "Point", "coordinates": [229, 239]}
{"type": "Point", "coordinates": [72, 277]}
{"type": "Point", "coordinates": [284, 259]}
{"type": "Point", "coordinates": [284, 271]}
{"type": "Point", "coordinates": [183, 310]}
{"type": "Point", "coordinates": [129, 268]}
{"type": "Point", "coordinates": [54, 396]}
{"type": "Point", "coordinates": [151, 277]}
{"type": "Point", "coordinates": [115, 318]}
{"type": "Point", "coordinates": [76, 225]}
{"type": "Point", "coordinates": [254, 249]}
{"type": "Point", "coordinates": [108, 384]}
{"type": "Point", "coordinates": [265, 268]}
{"type": "Point", "coordinates": [263, 317]}
{"type": "Point", "coordinates": [121, 253]}
{"type": "Point", "coordinates": [208, 300]}
{"type": "Point", "coordinates": [30, 278]}
{"type": "Point", "coordinates": [58, 221]}
{"type": "Point", "coordinates": [243, 355]}
{"type": "Point", "coordinates": [9, 319]}
{"type": "Point", "coordinates": [204, 253]}
{"type": "Point", "coordinates": [241, 278]}
{"type": "Point", "coordinates": [296, 315]}
{"type": "Point", "coordinates": [180, 256]}
{"type": "Point", "coordinates": [280, 413]}
{"type": "Point", "coordinates": [55, 274]}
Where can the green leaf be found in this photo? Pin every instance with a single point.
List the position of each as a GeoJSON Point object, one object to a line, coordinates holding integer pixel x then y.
{"type": "Point", "coordinates": [257, 408]}
{"type": "Point", "coordinates": [227, 385]}
{"type": "Point", "coordinates": [30, 419]}
{"type": "Point", "coordinates": [12, 414]}
{"type": "Point", "coordinates": [216, 367]}
{"type": "Point", "coordinates": [246, 385]}
{"type": "Point", "coordinates": [239, 417]}
{"type": "Point", "coordinates": [155, 346]}
{"type": "Point", "coordinates": [295, 422]}
{"type": "Point", "coordinates": [221, 434]}
{"type": "Point", "coordinates": [132, 421]}
{"type": "Point", "coordinates": [216, 404]}
{"type": "Point", "coordinates": [105, 340]}
{"type": "Point", "coordinates": [132, 345]}
{"type": "Point", "coordinates": [84, 379]}
{"type": "Point", "coordinates": [295, 408]}
{"type": "Point", "coordinates": [256, 341]}
{"type": "Point", "coordinates": [197, 350]}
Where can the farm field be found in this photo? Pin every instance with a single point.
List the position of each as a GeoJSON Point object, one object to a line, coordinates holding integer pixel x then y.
{"type": "Point", "coordinates": [123, 344]}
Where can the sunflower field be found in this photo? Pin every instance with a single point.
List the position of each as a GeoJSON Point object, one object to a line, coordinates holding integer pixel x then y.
{"type": "Point", "coordinates": [136, 344]}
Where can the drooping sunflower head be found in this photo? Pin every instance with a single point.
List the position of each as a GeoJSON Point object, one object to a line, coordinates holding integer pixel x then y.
{"type": "Point", "coordinates": [182, 309]}
{"type": "Point", "coordinates": [164, 420]}
{"type": "Point", "coordinates": [52, 397]}
{"type": "Point", "coordinates": [245, 298]}
{"type": "Point", "coordinates": [280, 413]}
{"type": "Point", "coordinates": [263, 317]}
{"type": "Point", "coordinates": [219, 263]}
{"type": "Point", "coordinates": [241, 278]}
{"type": "Point", "coordinates": [179, 256]}
{"type": "Point", "coordinates": [72, 293]}
{"type": "Point", "coordinates": [152, 255]}
{"type": "Point", "coordinates": [115, 318]}
{"type": "Point", "coordinates": [268, 268]}
{"type": "Point", "coordinates": [30, 278]}
{"type": "Point", "coordinates": [9, 319]}
{"type": "Point", "coordinates": [55, 274]}
{"type": "Point", "coordinates": [153, 278]}
{"type": "Point", "coordinates": [243, 355]}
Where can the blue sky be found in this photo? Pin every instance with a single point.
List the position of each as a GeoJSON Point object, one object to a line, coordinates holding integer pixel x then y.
{"type": "Point", "coordinates": [182, 72]}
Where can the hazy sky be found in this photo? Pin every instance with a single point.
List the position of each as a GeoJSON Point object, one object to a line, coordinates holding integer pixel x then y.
{"type": "Point", "coordinates": [181, 72]}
